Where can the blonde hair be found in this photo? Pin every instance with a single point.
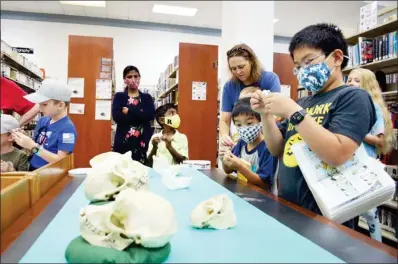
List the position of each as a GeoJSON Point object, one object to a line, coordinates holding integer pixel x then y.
{"type": "Point", "coordinates": [243, 50]}
{"type": "Point", "coordinates": [248, 90]}
{"type": "Point", "coordinates": [369, 83]}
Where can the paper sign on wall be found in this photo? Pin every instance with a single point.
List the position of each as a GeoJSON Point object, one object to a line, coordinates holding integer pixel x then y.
{"type": "Point", "coordinates": [103, 89]}
{"type": "Point", "coordinates": [199, 91]}
{"type": "Point", "coordinates": [103, 110]}
{"type": "Point", "coordinates": [77, 86]}
{"type": "Point", "coordinates": [77, 109]}
{"type": "Point", "coordinates": [107, 61]}
{"type": "Point", "coordinates": [105, 75]}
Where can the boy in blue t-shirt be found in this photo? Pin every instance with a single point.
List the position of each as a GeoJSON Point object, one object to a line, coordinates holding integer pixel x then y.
{"type": "Point", "coordinates": [250, 149]}
{"type": "Point", "coordinates": [55, 134]}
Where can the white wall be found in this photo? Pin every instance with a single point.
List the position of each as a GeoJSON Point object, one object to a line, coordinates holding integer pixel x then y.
{"type": "Point", "coordinates": [151, 51]}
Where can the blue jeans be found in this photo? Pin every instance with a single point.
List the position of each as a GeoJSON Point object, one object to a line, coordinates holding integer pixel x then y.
{"type": "Point", "coordinates": [372, 218]}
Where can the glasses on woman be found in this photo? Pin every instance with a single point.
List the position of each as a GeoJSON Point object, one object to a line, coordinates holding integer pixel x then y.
{"type": "Point", "coordinates": [305, 63]}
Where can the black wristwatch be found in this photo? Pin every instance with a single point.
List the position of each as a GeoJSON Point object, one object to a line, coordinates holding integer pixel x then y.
{"type": "Point", "coordinates": [297, 117]}
{"type": "Point", "coordinates": [35, 150]}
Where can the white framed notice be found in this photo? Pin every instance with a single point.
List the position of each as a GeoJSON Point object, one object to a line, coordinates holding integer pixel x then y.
{"type": "Point", "coordinates": [199, 91]}
{"type": "Point", "coordinates": [103, 89]}
{"type": "Point", "coordinates": [76, 109]}
{"type": "Point", "coordinates": [77, 86]}
{"type": "Point", "coordinates": [103, 109]}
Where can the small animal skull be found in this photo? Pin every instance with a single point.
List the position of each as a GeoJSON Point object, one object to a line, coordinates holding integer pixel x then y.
{"type": "Point", "coordinates": [216, 212]}
{"type": "Point", "coordinates": [111, 176]}
{"type": "Point", "coordinates": [143, 218]}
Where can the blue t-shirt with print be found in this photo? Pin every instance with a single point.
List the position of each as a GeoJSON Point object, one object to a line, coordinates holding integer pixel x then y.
{"type": "Point", "coordinates": [261, 160]}
{"type": "Point", "coordinates": [60, 135]}
{"type": "Point", "coordinates": [377, 129]}
{"type": "Point", "coordinates": [268, 81]}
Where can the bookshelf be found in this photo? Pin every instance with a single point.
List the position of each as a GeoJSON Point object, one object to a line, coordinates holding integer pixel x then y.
{"type": "Point", "coordinates": [374, 32]}
{"type": "Point", "coordinates": [24, 73]}
{"type": "Point", "coordinates": [377, 50]}
{"type": "Point", "coordinates": [194, 63]}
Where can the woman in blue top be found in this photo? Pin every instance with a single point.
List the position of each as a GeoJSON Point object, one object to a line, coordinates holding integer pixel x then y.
{"type": "Point", "coordinates": [246, 70]}
{"type": "Point", "coordinates": [132, 111]}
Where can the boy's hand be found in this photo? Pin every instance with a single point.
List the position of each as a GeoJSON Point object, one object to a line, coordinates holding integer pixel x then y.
{"type": "Point", "coordinates": [231, 161]}
{"type": "Point", "coordinates": [23, 140]}
{"type": "Point", "coordinates": [223, 150]}
{"type": "Point", "coordinates": [155, 141]}
{"type": "Point", "coordinates": [278, 104]}
{"type": "Point", "coordinates": [125, 110]}
{"type": "Point", "coordinates": [167, 139]}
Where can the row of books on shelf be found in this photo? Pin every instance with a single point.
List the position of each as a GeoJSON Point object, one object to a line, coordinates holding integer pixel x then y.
{"type": "Point", "coordinates": [392, 78]}
{"type": "Point", "coordinates": [388, 221]}
{"type": "Point", "coordinates": [19, 77]}
{"type": "Point", "coordinates": [168, 78]}
{"type": "Point", "coordinates": [12, 54]}
{"type": "Point", "coordinates": [368, 50]}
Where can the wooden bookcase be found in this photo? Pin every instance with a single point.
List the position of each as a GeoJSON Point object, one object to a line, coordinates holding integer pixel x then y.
{"type": "Point", "coordinates": [84, 61]}
{"type": "Point", "coordinates": [194, 63]}
{"type": "Point", "coordinates": [389, 65]}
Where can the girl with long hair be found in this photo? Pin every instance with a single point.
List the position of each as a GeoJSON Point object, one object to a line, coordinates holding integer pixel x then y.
{"type": "Point", "coordinates": [380, 138]}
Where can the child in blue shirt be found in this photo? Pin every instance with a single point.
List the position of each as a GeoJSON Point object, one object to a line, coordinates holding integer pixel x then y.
{"type": "Point", "coordinates": [55, 133]}
{"type": "Point", "coordinates": [251, 148]}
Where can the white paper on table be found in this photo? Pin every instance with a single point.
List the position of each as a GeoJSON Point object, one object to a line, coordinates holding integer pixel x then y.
{"type": "Point", "coordinates": [285, 90]}
{"type": "Point", "coordinates": [77, 109]}
{"type": "Point", "coordinates": [77, 86]}
{"type": "Point", "coordinates": [103, 110]}
{"type": "Point", "coordinates": [199, 91]}
{"type": "Point", "coordinates": [103, 89]}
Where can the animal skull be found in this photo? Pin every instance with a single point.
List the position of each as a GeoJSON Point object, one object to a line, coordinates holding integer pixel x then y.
{"type": "Point", "coordinates": [113, 175]}
{"type": "Point", "coordinates": [216, 212]}
{"type": "Point", "coordinates": [143, 218]}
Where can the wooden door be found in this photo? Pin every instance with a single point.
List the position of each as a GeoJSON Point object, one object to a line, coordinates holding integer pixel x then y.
{"type": "Point", "coordinates": [198, 63]}
{"type": "Point", "coordinates": [84, 61]}
{"type": "Point", "coordinates": [283, 66]}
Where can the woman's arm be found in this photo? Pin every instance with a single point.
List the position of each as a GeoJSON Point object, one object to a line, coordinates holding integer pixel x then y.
{"type": "Point", "coordinates": [117, 106]}
{"type": "Point", "coordinates": [146, 112]}
{"type": "Point", "coordinates": [28, 116]}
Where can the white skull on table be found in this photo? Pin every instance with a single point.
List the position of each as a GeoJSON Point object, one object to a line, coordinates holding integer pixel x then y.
{"type": "Point", "coordinates": [143, 218]}
{"type": "Point", "coordinates": [114, 174]}
{"type": "Point", "coordinates": [216, 212]}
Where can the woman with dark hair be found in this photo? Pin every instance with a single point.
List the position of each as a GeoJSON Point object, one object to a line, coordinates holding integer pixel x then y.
{"type": "Point", "coordinates": [132, 111]}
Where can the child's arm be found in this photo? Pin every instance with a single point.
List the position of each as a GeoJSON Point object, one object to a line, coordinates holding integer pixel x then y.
{"type": "Point", "coordinates": [153, 148]}
{"type": "Point", "coordinates": [373, 140]}
{"type": "Point", "coordinates": [180, 154]}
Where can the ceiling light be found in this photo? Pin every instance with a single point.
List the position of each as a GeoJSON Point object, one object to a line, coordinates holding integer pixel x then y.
{"type": "Point", "coordinates": [275, 20]}
{"type": "Point", "coordinates": [85, 3]}
{"type": "Point", "coordinates": [174, 10]}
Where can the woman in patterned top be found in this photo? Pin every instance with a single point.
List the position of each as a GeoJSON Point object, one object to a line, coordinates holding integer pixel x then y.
{"type": "Point", "coordinates": [133, 111]}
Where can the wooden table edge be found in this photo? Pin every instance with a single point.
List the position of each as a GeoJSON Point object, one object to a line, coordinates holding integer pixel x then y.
{"type": "Point", "coordinates": [365, 239]}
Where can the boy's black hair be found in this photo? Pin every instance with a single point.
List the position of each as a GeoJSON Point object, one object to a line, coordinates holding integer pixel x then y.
{"type": "Point", "coordinates": [161, 111]}
{"type": "Point", "coordinates": [129, 69]}
{"type": "Point", "coordinates": [323, 36]}
{"type": "Point", "coordinates": [243, 106]}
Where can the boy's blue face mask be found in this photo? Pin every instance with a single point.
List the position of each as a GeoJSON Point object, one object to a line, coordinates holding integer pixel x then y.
{"type": "Point", "coordinates": [315, 76]}
{"type": "Point", "coordinates": [249, 133]}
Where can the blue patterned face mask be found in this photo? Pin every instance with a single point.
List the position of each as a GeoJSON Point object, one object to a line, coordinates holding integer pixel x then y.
{"type": "Point", "coordinates": [314, 77]}
{"type": "Point", "coordinates": [249, 133]}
